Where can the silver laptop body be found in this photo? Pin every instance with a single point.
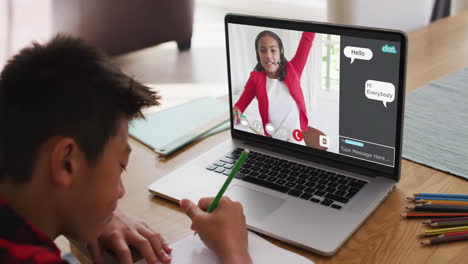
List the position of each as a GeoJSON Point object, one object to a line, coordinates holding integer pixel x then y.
{"type": "Point", "coordinates": [364, 153]}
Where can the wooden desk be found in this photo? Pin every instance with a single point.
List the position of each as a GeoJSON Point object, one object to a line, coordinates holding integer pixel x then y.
{"type": "Point", "coordinates": [434, 51]}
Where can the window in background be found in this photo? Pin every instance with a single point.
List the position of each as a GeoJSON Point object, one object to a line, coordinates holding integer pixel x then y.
{"type": "Point", "coordinates": [330, 62]}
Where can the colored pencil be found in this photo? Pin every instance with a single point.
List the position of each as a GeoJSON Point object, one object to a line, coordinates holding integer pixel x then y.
{"type": "Point", "coordinates": [450, 223]}
{"type": "Point", "coordinates": [437, 198]}
{"type": "Point", "coordinates": [439, 208]}
{"type": "Point", "coordinates": [440, 231]}
{"type": "Point", "coordinates": [419, 215]}
{"type": "Point", "coordinates": [438, 195]}
{"type": "Point", "coordinates": [430, 221]}
{"type": "Point", "coordinates": [440, 240]}
{"type": "Point", "coordinates": [440, 202]}
{"type": "Point", "coordinates": [454, 234]}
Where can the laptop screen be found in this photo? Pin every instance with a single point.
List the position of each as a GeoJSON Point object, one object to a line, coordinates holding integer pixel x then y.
{"type": "Point", "coordinates": [319, 89]}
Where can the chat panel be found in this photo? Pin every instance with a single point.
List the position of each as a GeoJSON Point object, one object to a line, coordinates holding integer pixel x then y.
{"type": "Point", "coordinates": [368, 104]}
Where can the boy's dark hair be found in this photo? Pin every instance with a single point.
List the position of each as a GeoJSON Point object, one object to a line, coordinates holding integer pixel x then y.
{"type": "Point", "coordinates": [62, 88]}
{"type": "Point", "coordinates": [283, 60]}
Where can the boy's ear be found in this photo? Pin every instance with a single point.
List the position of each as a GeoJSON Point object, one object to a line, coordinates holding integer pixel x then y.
{"type": "Point", "coordinates": [64, 161]}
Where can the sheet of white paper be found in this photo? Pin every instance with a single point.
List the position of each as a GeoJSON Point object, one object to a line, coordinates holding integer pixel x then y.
{"type": "Point", "coordinates": [192, 250]}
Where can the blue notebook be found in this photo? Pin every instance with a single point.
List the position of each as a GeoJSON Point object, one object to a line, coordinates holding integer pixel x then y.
{"type": "Point", "coordinates": [170, 129]}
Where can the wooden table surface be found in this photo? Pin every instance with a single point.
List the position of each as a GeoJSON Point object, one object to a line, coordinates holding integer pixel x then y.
{"type": "Point", "coordinates": [434, 51]}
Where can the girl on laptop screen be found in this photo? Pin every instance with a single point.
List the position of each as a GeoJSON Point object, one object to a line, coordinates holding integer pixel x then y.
{"type": "Point", "coordinates": [275, 82]}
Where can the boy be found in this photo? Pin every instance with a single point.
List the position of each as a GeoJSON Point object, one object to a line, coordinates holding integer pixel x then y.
{"type": "Point", "coordinates": [64, 110]}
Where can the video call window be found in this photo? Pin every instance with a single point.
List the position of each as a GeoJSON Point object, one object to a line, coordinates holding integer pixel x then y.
{"type": "Point", "coordinates": [315, 90]}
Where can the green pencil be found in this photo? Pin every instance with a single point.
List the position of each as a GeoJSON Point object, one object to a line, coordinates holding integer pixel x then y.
{"type": "Point", "coordinates": [233, 173]}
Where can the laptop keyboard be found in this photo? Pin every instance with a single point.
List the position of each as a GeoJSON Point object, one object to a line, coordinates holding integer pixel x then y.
{"type": "Point", "coordinates": [316, 185]}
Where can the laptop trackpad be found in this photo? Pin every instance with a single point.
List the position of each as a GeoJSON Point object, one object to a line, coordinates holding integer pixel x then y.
{"type": "Point", "coordinates": [257, 205]}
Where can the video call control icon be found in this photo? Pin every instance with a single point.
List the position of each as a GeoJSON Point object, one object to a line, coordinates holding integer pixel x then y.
{"type": "Point", "coordinates": [324, 141]}
{"type": "Point", "coordinates": [297, 135]}
{"type": "Point", "coordinates": [270, 128]}
{"type": "Point", "coordinates": [283, 133]}
{"type": "Point", "coordinates": [244, 120]}
{"type": "Point", "coordinates": [257, 126]}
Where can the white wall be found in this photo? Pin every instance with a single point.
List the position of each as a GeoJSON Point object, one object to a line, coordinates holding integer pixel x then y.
{"type": "Point", "coordinates": [313, 10]}
{"type": "Point", "coordinates": [3, 32]}
{"type": "Point", "coordinates": [397, 14]}
{"type": "Point", "coordinates": [30, 21]}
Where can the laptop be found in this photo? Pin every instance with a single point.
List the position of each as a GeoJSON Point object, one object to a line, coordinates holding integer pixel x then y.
{"type": "Point", "coordinates": [320, 107]}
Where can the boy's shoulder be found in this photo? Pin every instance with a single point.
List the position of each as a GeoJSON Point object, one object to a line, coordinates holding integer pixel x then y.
{"type": "Point", "coordinates": [20, 242]}
{"type": "Point", "coordinates": [11, 252]}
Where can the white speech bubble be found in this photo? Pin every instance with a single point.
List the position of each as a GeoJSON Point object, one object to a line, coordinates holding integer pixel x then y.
{"type": "Point", "coordinates": [357, 53]}
{"type": "Point", "coordinates": [380, 91]}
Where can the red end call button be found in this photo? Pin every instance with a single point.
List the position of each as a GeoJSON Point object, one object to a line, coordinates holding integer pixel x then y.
{"type": "Point", "coordinates": [297, 135]}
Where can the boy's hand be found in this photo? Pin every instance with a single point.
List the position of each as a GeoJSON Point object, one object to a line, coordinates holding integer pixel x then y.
{"type": "Point", "coordinates": [223, 231]}
{"type": "Point", "coordinates": [124, 230]}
